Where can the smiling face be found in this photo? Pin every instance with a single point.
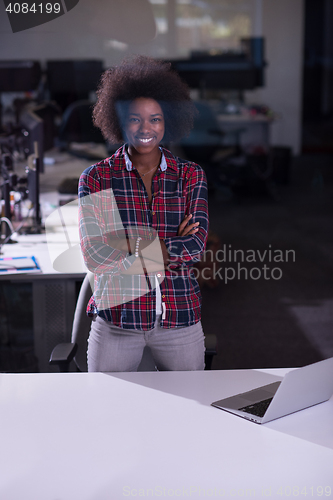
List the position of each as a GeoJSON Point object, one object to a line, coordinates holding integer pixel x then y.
{"type": "Point", "coordinates": [144, 126]}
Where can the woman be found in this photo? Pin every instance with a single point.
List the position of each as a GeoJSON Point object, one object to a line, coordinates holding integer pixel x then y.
{"type": "Point", "coordinates": [143, 224]}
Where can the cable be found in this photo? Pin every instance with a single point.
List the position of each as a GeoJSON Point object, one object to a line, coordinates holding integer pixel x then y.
{"type": "Point", "coordinates": [10, 225]}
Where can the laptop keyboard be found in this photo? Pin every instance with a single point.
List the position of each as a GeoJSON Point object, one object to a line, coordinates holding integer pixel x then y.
{"type": "Point", "coordinates": [258, 409]}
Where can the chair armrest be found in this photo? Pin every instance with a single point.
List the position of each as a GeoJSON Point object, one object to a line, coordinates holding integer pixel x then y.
{"type": "Point", "coordinates": [211, 343]}
{"type": "Point", "coordinates": [211, 350]}
{"type": "Point", "coordinates": [62, 355]}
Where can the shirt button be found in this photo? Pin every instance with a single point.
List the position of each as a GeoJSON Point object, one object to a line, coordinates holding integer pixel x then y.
{"type": "Point", "coordinates": [153, 213]}
{"type": "Point", "coordinates": [163, 296]}
{"type": "Point", "coordinates": [159, 275]}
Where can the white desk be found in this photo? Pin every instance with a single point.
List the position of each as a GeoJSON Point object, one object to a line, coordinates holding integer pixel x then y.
{"type": "Point", "coordinates": [53, 293]}
{"type": "Point", "coordinates": [111, 436]}
{"type": "Point", "coordinates": [256, 130]}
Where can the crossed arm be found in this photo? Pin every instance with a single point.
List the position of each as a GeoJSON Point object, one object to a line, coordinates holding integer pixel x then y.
{"type": "Point", "coordinates": [153, 260]}
{"type": "Point", "coordinates": [105, 251]}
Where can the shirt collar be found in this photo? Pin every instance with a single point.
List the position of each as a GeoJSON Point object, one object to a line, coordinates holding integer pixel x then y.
{"type": "Point", "coordinates": [129, 165]}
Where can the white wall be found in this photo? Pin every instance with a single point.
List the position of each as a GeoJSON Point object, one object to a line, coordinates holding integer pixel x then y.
{"type": "Point", "coordinates": [282, 27]}
{"type": "Point", "coordinates": [83, 32]}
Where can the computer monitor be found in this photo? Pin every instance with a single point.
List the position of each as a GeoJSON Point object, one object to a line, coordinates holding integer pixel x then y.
{"type": "Point", "coordinates": [33, 131]}
{"type": "Point", "coordinates": [242, 70]}
{"type": "Point", "coordinates": [17, 76]}
{"type": "Point", "coordinates": [33, 189]}
{"type": "Point", "coordinates": [72, 80]}
{"type": "Point", "coordinates": [29, 186]}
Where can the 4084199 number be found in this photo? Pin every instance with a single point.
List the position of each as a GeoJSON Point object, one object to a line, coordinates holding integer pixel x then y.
{"type": "Point", "coordinates": [295, 491]}
{"type": "Point", "coordinates": [35, 8]}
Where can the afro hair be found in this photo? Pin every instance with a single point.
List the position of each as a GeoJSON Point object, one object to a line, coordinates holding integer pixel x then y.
{"type": "Point", "coordinates": [141, 76]}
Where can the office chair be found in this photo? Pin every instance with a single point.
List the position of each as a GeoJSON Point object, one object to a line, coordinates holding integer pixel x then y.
{"type": "Point", "coordinates": [76, 350]}
{"type": "Point", "coordinates": [77, 126]}
{"type": "Point", "coordinates": [206, 136]}
{"type": "Point", "coordinates": [205, 145]}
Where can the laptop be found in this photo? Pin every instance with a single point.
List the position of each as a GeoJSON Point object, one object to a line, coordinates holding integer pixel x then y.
{"type": "Point", "coordinates": [299, 389]}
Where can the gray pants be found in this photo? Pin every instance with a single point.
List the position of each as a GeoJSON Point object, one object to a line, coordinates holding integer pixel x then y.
{"type": "Point", "coordinates": [115, 349]}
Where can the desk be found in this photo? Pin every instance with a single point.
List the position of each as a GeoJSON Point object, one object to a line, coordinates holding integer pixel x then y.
{"type": "Point", "coordinates": [53, 294]}
{"type": "Point", "coordinates": [95, 436]}
{"type": "Point", "coordinates": [256, 130]}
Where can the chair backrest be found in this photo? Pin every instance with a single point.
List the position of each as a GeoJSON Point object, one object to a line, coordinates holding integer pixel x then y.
{"type": "Point", "coordinates": [77, 125]}
{"type": "Point", "coordinates": [81, 329]}
{"type": "Point", "coordinates": [206, 130]}
{"type": "Point", "coordinates": [81, 324]}
{"type": "Point", "coordinates": [205, 138]}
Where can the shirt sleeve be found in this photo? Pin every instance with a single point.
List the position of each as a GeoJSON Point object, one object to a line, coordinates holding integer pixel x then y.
{"type": "Point", "coordinates": [190, 249]}
{"type": "Point", "coordinates": [98, 217]}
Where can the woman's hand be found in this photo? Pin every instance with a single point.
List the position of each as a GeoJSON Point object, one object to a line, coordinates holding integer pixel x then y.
{"type": "Point", "coordinates": [128, 244]}
{"type": "Point", "coordinates": [187, 230]}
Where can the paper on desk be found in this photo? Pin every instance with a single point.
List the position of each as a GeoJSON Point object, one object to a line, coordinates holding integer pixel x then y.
{"type": "Point", "coordinates": [11, 265]}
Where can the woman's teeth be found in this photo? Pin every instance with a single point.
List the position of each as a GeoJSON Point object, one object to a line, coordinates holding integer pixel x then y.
{"type": "Point", "coordinates": [146, 140]}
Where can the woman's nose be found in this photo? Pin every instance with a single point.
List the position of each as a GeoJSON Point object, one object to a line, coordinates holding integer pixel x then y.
{"type": "Point", "coordinates": [144, 126]}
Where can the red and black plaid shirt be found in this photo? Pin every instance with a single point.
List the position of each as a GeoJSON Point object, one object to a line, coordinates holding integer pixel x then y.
{"type": "Point", "coordinates": [179, 188]}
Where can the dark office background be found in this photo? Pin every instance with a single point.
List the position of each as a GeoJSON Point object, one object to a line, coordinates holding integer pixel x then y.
{"type": "Point", "coordinates": [258, 322]}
